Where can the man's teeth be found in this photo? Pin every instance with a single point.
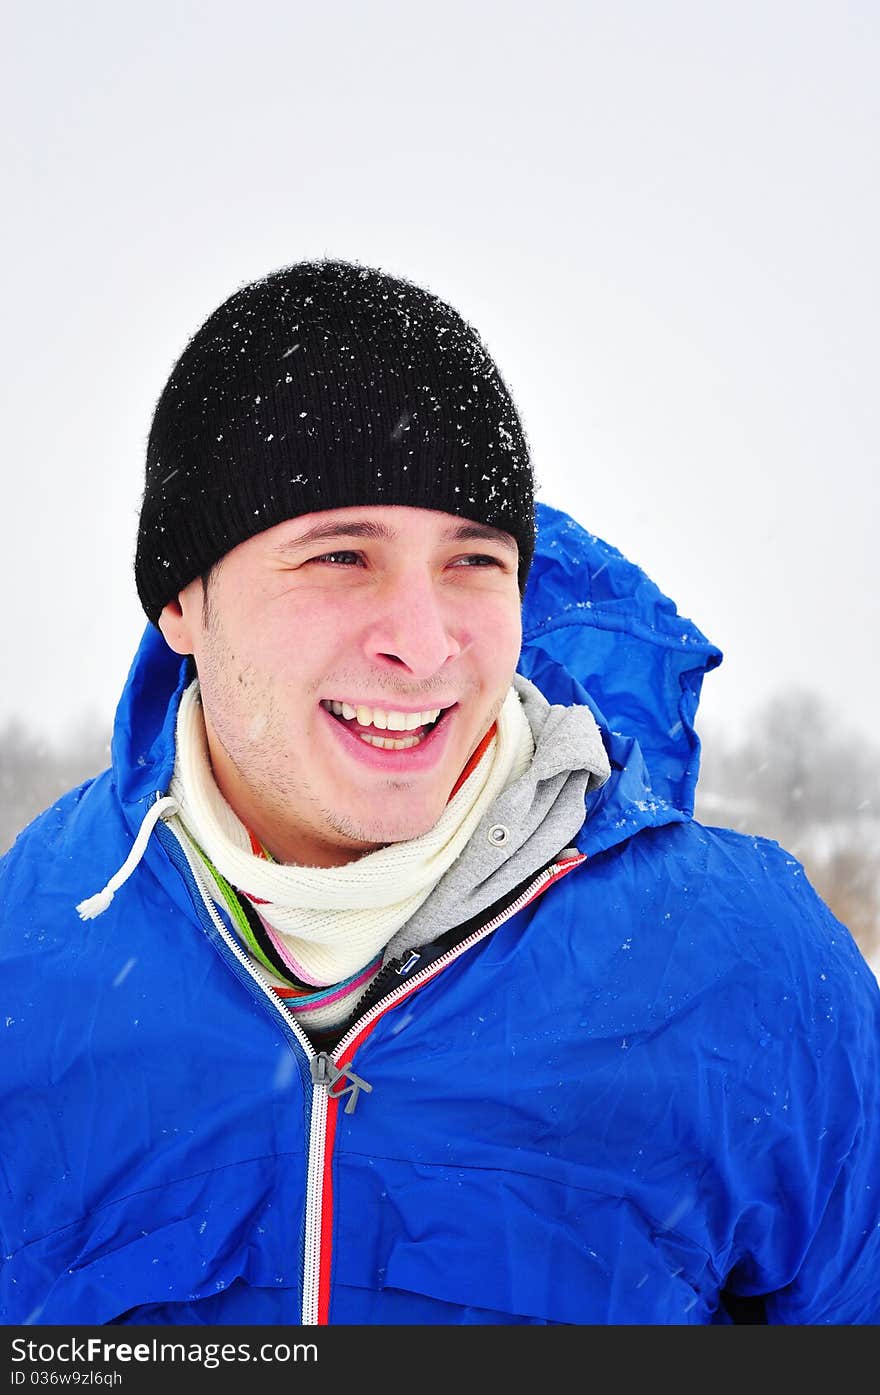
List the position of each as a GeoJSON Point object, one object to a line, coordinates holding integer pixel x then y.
{"type": "Point", "coordinates": [387, 743]}
{"type": "Point", "coordinates": [384, 720]}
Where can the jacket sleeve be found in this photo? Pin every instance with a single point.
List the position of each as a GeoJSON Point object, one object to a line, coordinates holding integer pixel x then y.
{"type": "Point", "coordinates": [809, 1239]}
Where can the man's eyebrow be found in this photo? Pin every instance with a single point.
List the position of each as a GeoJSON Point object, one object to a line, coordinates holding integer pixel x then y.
{"type": "Point", "coordinates": [322, 532]}
{"type": "Point", "coordinates": [468, 532]}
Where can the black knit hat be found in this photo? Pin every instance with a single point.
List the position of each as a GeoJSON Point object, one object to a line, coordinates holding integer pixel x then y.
{"type": "Point", "coordinates": [324, 385]}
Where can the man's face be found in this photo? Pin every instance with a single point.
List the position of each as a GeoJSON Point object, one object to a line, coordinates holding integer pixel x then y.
{"type": "Point", "coordinates": [395, 613]}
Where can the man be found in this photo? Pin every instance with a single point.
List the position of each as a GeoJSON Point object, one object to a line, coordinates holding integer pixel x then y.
{"type": "Point", "coordinates": [386, 977]}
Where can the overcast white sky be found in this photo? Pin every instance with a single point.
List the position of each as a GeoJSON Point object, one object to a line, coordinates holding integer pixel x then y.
{"type": "Point", "coordinates": [663, 217]}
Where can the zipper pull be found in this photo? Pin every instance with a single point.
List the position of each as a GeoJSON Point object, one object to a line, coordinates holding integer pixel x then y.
{"type": "Point", "coordinates": [326, 1072]}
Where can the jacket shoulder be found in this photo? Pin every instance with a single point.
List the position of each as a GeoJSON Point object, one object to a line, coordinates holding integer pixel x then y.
{"type": "Point", "coordinates": [777, 907]}
{"type": "Point", "coordinates": [712, 901]}
{"type": "Point", "coordinates": [56, 859]}
{"type": "Point", "coordinates": [45, 830]}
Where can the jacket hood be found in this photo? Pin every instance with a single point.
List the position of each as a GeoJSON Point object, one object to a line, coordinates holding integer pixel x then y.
{"type": "Point", "coordinates": [596, 632]}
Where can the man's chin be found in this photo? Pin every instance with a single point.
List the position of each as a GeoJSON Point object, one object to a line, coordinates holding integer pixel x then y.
{"type": "Point", "coordinates": [372, 833]}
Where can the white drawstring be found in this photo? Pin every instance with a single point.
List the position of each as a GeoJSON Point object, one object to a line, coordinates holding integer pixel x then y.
{"type": "Point", "coordinates": [95, 905]}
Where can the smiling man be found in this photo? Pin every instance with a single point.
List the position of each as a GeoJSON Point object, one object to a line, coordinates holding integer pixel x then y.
{"type": "Point", "coordinates": [350, 663]}
{"type": "Point", "coordinates": [386, 977]}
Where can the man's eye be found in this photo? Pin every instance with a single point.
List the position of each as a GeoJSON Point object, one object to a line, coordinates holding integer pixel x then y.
{"type": "Point", "coordinates": [338, 558]}
{"type": "Point", "coordinates": [478, 559]}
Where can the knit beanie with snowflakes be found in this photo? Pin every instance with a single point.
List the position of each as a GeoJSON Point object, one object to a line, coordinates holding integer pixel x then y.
{"type": "Point", "coordinates": [321, 386]}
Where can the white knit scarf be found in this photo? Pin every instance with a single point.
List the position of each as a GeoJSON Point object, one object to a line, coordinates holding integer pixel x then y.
{"type": "Point", "coordinates": [329, 922]}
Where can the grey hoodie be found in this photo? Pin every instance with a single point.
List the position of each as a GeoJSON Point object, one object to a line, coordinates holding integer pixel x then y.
{"type": "Point", "coordinates": [531, 821]}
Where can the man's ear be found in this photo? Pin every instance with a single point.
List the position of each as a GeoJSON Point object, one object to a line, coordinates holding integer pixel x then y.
{"type": "Point", "coordinates": [179, 619]}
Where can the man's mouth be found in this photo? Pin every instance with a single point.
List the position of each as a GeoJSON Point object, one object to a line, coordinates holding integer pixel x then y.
{"type": "Point", "coordinates": [379, 726]}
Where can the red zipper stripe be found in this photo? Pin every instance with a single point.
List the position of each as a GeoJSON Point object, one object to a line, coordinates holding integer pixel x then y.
{"type": "Point", "coordinates": [326, 1241]}
{"type": "Point", "coordinates": [325, 1258]}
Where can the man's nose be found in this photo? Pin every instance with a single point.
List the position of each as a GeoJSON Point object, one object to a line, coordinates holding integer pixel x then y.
{"type": "Point", "coordinates": [414, 626]}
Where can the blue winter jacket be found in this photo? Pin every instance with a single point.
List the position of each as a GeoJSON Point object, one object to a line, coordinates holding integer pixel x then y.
{"type": "Point", "coordinates": [642, 1092]}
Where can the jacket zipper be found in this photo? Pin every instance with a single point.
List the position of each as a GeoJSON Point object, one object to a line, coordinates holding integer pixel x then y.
{"type": "Point", "coordinates": [319, 1097]}
{"type": "Point", "coordinates": [331, 1076]}
{"type": "Point", "coordinates": [318, 1241]}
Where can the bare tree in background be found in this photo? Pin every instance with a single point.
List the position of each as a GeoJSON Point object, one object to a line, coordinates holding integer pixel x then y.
{"type": "Point", "coordinates": [798, 776]}
{"type": "Point", "coordinates": [34, 773]}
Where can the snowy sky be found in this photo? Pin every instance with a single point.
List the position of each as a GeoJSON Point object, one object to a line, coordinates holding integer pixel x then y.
{"type": "Point", "coordinates": [662, 217]}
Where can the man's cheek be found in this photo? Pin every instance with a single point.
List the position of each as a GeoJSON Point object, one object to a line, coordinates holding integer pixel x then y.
{"type": "Point", "coordinates": [257, 727]}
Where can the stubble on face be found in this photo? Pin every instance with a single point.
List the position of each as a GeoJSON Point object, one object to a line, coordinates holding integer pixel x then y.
{"type": "Point", "coordinates": [301, 791]}
{"type": "Point", "coordinates": [257, 771]}
{"type": "Point", "coordinates": [255, 765]}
